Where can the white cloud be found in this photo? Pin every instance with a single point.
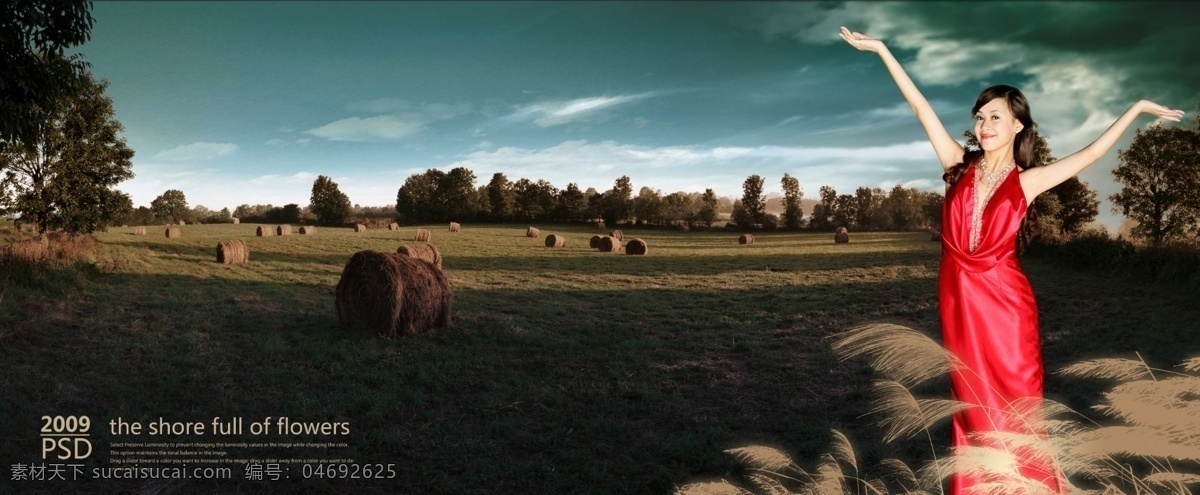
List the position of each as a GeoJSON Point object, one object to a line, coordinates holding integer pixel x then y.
{"type": "Point", "coordinates": [381, 128]}
{"type": "Point", "coordinates": [552, 113]}
{"type": "Point", "coordinates": [379, 105]}
{"type": "Point", "coordinates": [443, 111]}
{"type": "Point", "coordinates": [297, 178]}
{"type": "Point", "coordinates": [197, 151]}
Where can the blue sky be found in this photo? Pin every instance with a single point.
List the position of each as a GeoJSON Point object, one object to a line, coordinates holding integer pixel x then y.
{"type": "Point", "coordinates": [238, 103]}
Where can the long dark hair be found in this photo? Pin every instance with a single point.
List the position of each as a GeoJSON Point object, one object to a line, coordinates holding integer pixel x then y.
{"type": "Point", "coordinates": [1023, 147]}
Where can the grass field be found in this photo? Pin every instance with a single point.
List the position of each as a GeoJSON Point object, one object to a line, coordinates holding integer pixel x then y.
{"type": "Point", "coordinates": [566, 371]}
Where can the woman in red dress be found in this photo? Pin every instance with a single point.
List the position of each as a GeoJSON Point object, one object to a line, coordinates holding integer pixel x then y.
{"type": "Point", "coordinates": [988, 313]}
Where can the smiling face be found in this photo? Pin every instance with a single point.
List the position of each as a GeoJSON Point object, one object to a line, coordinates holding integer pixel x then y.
{"type": "Point", "coordinates": [995, 125]}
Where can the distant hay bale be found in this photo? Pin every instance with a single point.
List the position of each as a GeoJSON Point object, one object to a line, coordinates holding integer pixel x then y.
{"type": "Point", "coordinates": [393, 226]}
{"type": "Point", "coordinates": [173, 232]}
{"type": "Point", "coordinates": [392, 294]}
{"type": "Point", "coordinates": [532, 232]}
{"type": "Point", "coordinates": [636, 246]}
{"type": "Point", "coordinates": [283, 230]}
{"type": "Point", "coordinates": [308, 230]}
{"type": "Point", "coordinates": [455, 227]}
{"type": "Point", "coordinates": [617, 234]}
{"type": "Point", "coordinates": [746, 239]}
{"type": "Point", "coordinates": [427, 252]}
{"type": "Point", "coordinates": [422, 235]}
{"type": "Point", "coordinates": [841, 237]}
{"type": "Point", "coordinates": [684, 228]}
{"type": "Point", "coordinates": [232, 252]}
{"type": "Point", "coordinates": [609, 244]}
{"type": "Point", "coordinates": [600, 226]}
{"type": "Point", "coordinates": [264, 231]}
{"type": "Point", "coordinates": [556, 241]}
{"type": "Point", "coordinates": [235, 220]}
{"type": "Point", "coordinates": [935, 236]}
{"type": "Point", "coordinates": [139, 231]}
{"type": "Point", "coordinates": [595, 242]}
{"type": "Point", "coordinates": [182, 222]}
{"type": "Point", "coordinates": [358, 227]}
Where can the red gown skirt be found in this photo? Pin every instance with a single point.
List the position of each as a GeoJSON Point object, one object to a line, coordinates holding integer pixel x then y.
{"type": "Point", "coordinates": [990, 322]}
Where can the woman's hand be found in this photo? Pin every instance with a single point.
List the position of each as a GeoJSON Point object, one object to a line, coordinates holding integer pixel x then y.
{"type": "Point", "coordinates": [1147, 106]}
{"type": "Point", "coordinates": [862, 41]}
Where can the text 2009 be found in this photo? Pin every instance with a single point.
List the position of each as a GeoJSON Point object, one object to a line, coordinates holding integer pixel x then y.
{"type": "Point", "coordinates": [349, 471]}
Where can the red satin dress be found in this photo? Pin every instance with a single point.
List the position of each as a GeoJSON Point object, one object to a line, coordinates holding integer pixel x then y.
{"type": "Point", "coordinates": [990, 320]}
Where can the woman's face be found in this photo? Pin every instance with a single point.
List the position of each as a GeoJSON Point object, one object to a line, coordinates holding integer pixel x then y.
{"type": "Point", "coordinates": [995, 125]}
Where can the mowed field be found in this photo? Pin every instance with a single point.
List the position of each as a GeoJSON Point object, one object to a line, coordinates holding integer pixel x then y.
{"type": "Point", "coordinates": [566, 370]}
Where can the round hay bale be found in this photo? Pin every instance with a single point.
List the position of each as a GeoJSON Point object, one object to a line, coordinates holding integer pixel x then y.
{"type": "Point", "coordinates": [600, 226]}
{"type": "Point", "coordinates": [684, 228]}
{"type": "Point", "coordinates": [173, 232]}
{"type": "Point", "coordinates": [636, 246]}
{"type": "Point", "coordinates": [422, 235]}
{"type": "Point", "coordinates": [935, 236]}
{"type": "Point", "coordinates": [617, 234]}
{"type": "Point", "coordinates": [393, 226]}
{"type": "Point", "coordinates": [308, 230]}
{"type": "Point", "coordinates": [609, 244]}
{"type": "Point", "coordinates": [139, 231]}
{"type": "Point", "coordinates": [556, 241]}
{"type": "Point", "coordinates": [232, 252]}
{"type": "Point", "coordinates": [263, 231]}
{"type": "Point", "coordinates": [235, 220]}
{"type": "Point", "coordinates": [392, 294]}
{"type": "Point", "coordinates": [841, 237]}
{"type": "Point", "coordinates": [595, 242]}
{"type": "Point", "coordinates": [427, 252]}
{"type": "Point", "coordinates": [182, 222]}
{"type": "Point", "coordinates": [746, 239]}
{"type": "Point", "coordinates": [455, 227]}
{"type": "Point", "coordinates": [283, 230]}
{"type": "Point", "coordinates": [358, 227]}
{"type": "Point", "coordinates": [532, 232]}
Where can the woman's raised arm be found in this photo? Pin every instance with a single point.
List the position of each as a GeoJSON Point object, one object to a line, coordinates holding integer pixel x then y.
{"type": "Point", "coordinates": [1038, 180]}
{"type": "Point", "coordinates": [949, 152]}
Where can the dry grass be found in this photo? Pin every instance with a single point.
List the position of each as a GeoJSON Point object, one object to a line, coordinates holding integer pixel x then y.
{"type": "Point", "coordinates": [556, 241]}
{"type": "Point", "coordinates": [392, 294]}
{"type": "Point", "coordinates": [636, 246]}
{"type": "Point", "coordinates": [427, 252]}
{"type": "Point", "coordinates": [232, 252]}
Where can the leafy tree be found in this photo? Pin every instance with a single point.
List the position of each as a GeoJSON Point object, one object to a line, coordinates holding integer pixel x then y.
{"type": "Point", "coordinates": [753, 200]}
{"type": "Point", "coordinates": [290, 213]}
{"type": "Point", "coordinates": [793, 213]}
{"type": "Point", "coordinates": [740, 216]}
{"type": "Point", "coordinates": [330, 205]}
{"type": "Point", "coordinates": [822, 216]}
{"type": "Point", "coordinates": [678, 207]}
{"type": "Point", "coordinates": [1160, 184]}
{"type": "Point", "coordinates": [903, 207]}
{"type": "Point", "coordinates": [1078, 205]}
{"type": "Point", "coordinates": [35, 74]}
{"type": "Point", "coordinates": [648, 206]}
{"type": "Point", "coordinates": [931, 209]}
{"type": "Point", "coordinates": [61, 175]}
{"type": "Point", "coordinates": [456, 191]}
{"type": "Point", "coordinates": [617, 203]}
{"type": "Point", "coordinates": [170, 206]}
{"type": "Point", "coordinates": [868, 204]}
{"type": "Point", "coordinates": [501, 197]}
{"type": "Point", "coordinates": [414, 200]}
{"type": "Point", "coordinates": [707, 212]}
{"type": "Point", "coordinates": [845, 211]}
{"type": "Point", "coordinates": [572, 203]}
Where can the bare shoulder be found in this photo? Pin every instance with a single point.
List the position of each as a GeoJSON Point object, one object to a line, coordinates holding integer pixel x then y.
{"type": "Point", "coordinates": [1030, 182]}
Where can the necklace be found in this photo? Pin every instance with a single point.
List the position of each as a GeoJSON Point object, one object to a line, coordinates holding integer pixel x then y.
{"type": "Point", "coordinates": [990, 176]}
{"type": "Point", "coordinates": [981, 200]}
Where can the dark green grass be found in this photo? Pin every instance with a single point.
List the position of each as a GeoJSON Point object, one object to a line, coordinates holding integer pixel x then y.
{"type": "Point", "coordinates": [567, 370]}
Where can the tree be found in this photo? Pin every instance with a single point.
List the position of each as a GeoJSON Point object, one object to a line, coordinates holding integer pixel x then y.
{"type": "Point", "coordinates": [170, 206]}
{"type": "Point", "coordinates": [328, 203]}
{"type": "Point", "coordinates": [501, 197]}
{"type": "Point", "coordinates": [617, 203]}
{"type": "Point", "coordinates": [740, 216]}
{"type": "Point", "coordinates": [931, 209]}
{"type": "Point", "coordinates": [415, 199]}
{"type": "Point", "coordinates": [793, 213]}
{"type": "Point", "coordinates": [33, 36]}
{"type": "Point", "coordinates": [1079, 205]}
{"type": "Point", "coordinates": [678, 207]}
{"type": "Point", "coordinates": [845, 211]}
{"type": "Point", "coordinates": [753, 201]}
{"type": "Point", "coordinates": [822, 216]}
{"type": "Point", "coordinates": [903, 207]}
{"type": "Point", "coordinates": [708, 208]}
{"type": "Point", "coordinates": [61, 176]}
{"type": "Point", "coordinates": [1160, 185]}
{"type": "Point", "coordinates": [572, 203]}
{"type": "Point", "coordinates": [456, 191]}
{"type": "Point", "coordinates": [868, 204]}
{"type": "Point", "coordinates": [648, 205]}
